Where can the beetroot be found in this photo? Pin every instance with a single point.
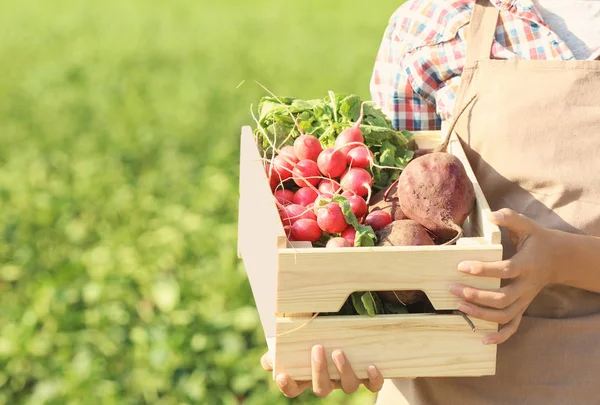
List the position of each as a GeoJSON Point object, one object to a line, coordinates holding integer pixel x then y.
{"type": "Point", "coordinates": [435, 191]}
{"type": "Point", "coordinates": [405, 232]}
{"type": "Point", "coordinates": [403, 297]}
{"type": "Point", "coordinates": [391, 205]}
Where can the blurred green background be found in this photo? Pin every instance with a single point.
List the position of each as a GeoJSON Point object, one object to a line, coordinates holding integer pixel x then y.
{"type": "Point", "coordinates": [119, 126]}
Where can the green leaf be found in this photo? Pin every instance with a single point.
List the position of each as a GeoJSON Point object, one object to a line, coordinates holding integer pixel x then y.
{"type": "Point", "coordinates": [307, 104]}
{"type": "Point", "coordinates": [403, 160]}
{"type": "Point", "coordinates": [369, 303]}
{"type": "Point", "coordinates": [350, 108]}
{"type": "Point", "coordinates": [358, 303]}
{"type": "Point", "coordinates": [388, 154]}
{"type": "Point", "coordinates": [365, 236]}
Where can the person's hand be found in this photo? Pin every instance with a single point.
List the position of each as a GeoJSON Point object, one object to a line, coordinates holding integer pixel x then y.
{"type": "Point", "coordinates": [321, 383]}
{"type": "Point", "coordinates": [538, 253]}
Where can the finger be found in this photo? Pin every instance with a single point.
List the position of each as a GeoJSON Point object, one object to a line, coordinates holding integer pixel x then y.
{"type": "Point", "coordinates": [348, 379]}
{"type": "Point", "coordinates": [499, 299]}
{"type": "Point", "coordinates": [500, 316]}
{"type": "Point", "coordinates": [289, 387]}
{"type": "Point", "coordinates": [266, 361]}
{"type": "Point", "coordinates": [505, 332]}
{"type": "Point", "coordinates": [375, 381]}
{"type": "Point", "coordinates": [512, 221]}
{"type": "Point", "coordinates": [505, 269]}
{"type": "Point", "coordinates": [321, 382]}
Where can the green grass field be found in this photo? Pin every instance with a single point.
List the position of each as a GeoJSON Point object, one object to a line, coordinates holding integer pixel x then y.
{"type": "Point", "coordinates": [119, 126]}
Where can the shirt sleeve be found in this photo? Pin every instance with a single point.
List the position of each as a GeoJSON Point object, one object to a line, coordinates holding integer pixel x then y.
{"type": "Point", "coordinates": [392, 87]}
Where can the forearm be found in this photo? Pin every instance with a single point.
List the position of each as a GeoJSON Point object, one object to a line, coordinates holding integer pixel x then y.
{"type": "Point", "coordinates": [579, 265]}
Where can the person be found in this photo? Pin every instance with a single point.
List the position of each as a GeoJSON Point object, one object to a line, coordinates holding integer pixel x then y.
{"type": "Point", "coordinates": [519, 81]}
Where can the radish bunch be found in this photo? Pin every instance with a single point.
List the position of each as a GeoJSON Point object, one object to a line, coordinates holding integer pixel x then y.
{"type": "Point", "coordinates": [323, 194]}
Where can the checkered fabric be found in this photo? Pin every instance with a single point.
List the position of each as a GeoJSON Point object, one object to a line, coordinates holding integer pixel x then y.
{"type": "Point", "coordinates": [422, 55]}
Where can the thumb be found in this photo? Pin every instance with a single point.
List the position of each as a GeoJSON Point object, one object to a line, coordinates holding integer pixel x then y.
{"type": "Point", "coordinates": [512, 221]}
{"type": "Point", "coordinates": [266, 361]}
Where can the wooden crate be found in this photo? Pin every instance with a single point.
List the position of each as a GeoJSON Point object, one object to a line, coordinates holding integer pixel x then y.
{"type": "Point", "coordinates": [291, 283]}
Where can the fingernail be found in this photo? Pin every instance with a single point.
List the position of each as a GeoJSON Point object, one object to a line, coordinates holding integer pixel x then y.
{"type": "Point", "coordinates": [455, 289]}
{"type": "Point", "coordinates": [488, 341]}
{"type": "Point", "coordinates": [372, 372]}
{"type": "Point", "coordinates": [465, 267]}
{"type": "Point", "coordinates": [464, 308]}
{"type": "Point", "coordinates": [339, 358]}
{"type": "Point", "coordinates": [317, 354]}
{"type": "Point", "coordinates": [498, 216]}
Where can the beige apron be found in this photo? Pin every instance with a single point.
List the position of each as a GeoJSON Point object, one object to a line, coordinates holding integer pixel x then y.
{"type": "Point", "coordinates": [532, 136]}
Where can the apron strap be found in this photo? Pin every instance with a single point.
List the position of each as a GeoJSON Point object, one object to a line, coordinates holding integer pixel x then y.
{"type": "Point", "coordinates": [482, 29]}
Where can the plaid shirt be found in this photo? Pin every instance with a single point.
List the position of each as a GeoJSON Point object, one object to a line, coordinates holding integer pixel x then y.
{"type": "Point", "coordinates": [422, 55]}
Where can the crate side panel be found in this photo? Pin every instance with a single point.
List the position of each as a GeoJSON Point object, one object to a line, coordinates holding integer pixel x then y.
{"type": "Point", "coordinates": [399, 345]}
{"type": "Point", "coordinates": [479, 224]}
{"type": "Point", "coordinates": [260, 231]}
{"type": "Point", "coordinates": [320, 280]}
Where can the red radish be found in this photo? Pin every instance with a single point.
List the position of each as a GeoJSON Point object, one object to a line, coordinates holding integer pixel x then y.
{"type": "Point", "coordinates": [359, 157]}
{"type": "Point", "coordinates": [288, 153]}
{"type": "Point", "coordinates": [357, 180]}
{"type": "Point", "coordinates": [350, 135]}
{"type": "Point", "coordinates": [349, 234]}
{"type": "Point", "coordinates": [435, 191]}
{"type": "Point", "coordinates": [305, 196]}
{"type": "Point", "coordinates": [307, 147]}
{"type": "Point", "coordinates": [359, 205]}
{"type": "Point", "coordinates": [337, 243]}
{"type": "Point", "coordinates": [282, 167]}
{"type": "Point", "coordinates": [378, 220]}
{"type": "Point", "coordinates": [331, 219]}
{"type": "Point", "coordinates": [348, 193]}
{"type": "Point", "coordinates": [274, 178]}
{"type": "Point", "coordinates": [306, 230]}
{"type": "Point", "coordinates": [306, 172]}
{"type": "Point", "coordinates": [323, 196]}
{"type": "Point", "coordinates": [293, 212]}
{"type": "Point", "coordinates": [285, 197]}
{"type": "Point", "coordinates": [327, 186]}
{"type": "Point", "coordinates": [331, 162]}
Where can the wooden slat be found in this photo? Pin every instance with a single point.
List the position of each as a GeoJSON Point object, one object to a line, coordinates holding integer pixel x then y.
{"type": "Point", "coordinates": [320, 280]}
{"type": "Point", "coordinates": [399, 345]}
{"type": "Point", "coordinates": [479, 220]}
